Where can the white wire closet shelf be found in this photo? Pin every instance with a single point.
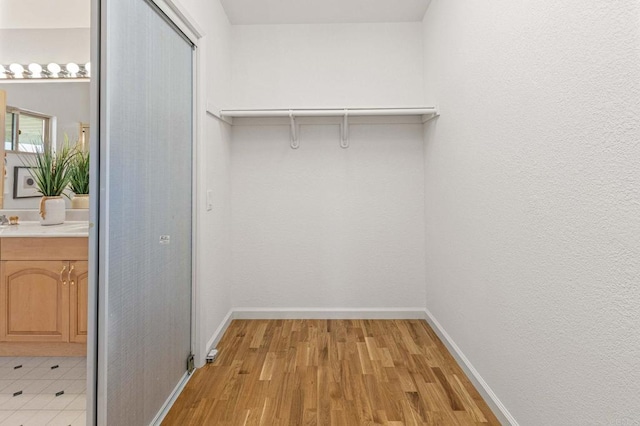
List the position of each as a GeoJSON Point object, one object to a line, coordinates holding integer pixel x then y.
{"type": "Point", "coordinates": [328, 112]}
{"type": "Point", "coordinates": [427, 113]}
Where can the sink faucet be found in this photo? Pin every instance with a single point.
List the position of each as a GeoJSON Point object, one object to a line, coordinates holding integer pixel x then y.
{"type": "Point", "coordinates": [4, 220]}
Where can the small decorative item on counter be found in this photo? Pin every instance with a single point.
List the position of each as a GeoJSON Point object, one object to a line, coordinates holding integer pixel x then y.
{"type": "Point", "coordinates": [50, 170]}
{"type": "Point", "coordinates": [13, 220]}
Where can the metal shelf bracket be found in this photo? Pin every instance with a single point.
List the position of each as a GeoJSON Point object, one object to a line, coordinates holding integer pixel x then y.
{"type": "Point", "coordinates": [344, 142]}
{"type": "Point", "coordinates": [295, 143]}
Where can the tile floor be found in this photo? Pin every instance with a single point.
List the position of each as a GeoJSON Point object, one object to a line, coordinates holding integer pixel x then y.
{"type": "Point", "coordinates": [42, 391]}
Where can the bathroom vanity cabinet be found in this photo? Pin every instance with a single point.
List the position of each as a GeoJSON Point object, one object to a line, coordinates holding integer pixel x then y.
{"type": "Point", "coordinates": [43, 296]}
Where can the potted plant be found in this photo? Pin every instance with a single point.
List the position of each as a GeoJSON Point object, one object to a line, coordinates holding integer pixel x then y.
{"type": "Point", "coordinates": [79, 180]}
{"type": "Point", "coordinates": [51, 172]}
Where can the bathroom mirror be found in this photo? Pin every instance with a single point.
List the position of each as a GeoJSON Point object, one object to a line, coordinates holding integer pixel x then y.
{"type": "Point", "coordinates": [39, 116]}
{"type": "Point", "coordinates": [37, 107]}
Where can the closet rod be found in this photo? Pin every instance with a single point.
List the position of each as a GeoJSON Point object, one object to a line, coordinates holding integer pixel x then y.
{"type": "Point", "coordinates": [334, 112]}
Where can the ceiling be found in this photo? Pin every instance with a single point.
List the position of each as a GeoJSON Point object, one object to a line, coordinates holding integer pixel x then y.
{"type": "Point", "coordinates": [24, 14]}
{"type": "Point", "coordinates": [44, 14]}
{"type": "Point", "coordinates": [323, 11]}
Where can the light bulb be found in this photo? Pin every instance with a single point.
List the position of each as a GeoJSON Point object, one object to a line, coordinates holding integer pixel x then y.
{"type": "Point", "coordinates": [73, 68]}
{"type": "Point", "coordinates": [36, 70]}
{"type": "Point", "coordinates": [17, 70]}
{"type": "Point", "coordinates": [87, 67]}
{"type": "Point", "coordinates": [54, 69]}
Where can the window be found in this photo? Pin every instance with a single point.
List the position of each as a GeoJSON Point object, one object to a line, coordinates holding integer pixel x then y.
{"type": "Point", "coordinates": [26, 131]}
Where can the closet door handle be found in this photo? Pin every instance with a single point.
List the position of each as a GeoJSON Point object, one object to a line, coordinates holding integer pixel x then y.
{"type": "Point", "coordinates": [72, 275]}
{"type": "Point", "coordinates": [64, 281]}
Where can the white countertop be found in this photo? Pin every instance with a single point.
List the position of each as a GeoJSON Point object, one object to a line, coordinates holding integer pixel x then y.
{"type": "Point", "coordinates": [34, 229]}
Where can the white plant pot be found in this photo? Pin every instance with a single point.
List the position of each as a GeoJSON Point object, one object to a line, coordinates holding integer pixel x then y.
{"type": "Point", "coordinates": [52, 211]}
{"type": "Point", "coordinates": [80, 201]}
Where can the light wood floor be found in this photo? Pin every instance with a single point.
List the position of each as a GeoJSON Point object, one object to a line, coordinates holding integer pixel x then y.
{"type": "Point", "coordinates": [330, 372]}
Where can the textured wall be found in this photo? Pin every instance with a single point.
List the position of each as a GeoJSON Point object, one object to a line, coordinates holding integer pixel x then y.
{"type": "Point", "coordinates": [214, 249]}
{"type": "Point", "coordinates": [337, 65]}
{"type": "Point", "coordinates": [326, 227]}
{"type": "Point", "coordinates": [533, 201]}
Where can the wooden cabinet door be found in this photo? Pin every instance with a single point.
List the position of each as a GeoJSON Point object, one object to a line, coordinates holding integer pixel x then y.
{"type": "Point", "coordinates": [34, 297]}
{"type": "Point", "coordinates": [78, 287]}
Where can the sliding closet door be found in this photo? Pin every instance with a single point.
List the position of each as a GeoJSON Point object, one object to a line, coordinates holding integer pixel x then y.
{"type": "Point", "coordinates": [146, 211]}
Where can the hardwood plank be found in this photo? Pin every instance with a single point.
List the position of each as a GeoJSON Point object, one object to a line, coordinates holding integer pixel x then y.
{"type": "Point", "coordinates": [467, 401]}
{"type": "Point", "coordinates": [330, 372]}
{"type": "Point", "coordinates": [454, 401]}
{"type": "Point", "coordinates": [267, 367]}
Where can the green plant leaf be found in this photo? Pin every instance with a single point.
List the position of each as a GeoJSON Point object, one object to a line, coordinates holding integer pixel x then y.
{"type": "Point", "coordinates": [51, 170]}
{"type": "Point", "coordinates": [79, 173]}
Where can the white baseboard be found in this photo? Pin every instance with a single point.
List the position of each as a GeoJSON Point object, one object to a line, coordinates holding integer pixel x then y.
{"type": "Point", "coordinates": [328, 313]}
{"type": "Point", "coordinates": [172, 398]}
{"type": "Point", "coordinates": [217, 335]}
{"type": "Point", "coordinates": [480, 384]}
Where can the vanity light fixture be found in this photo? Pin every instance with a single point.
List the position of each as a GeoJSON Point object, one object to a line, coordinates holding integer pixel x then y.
{"type": "Point", "coordinates": [35, 71]}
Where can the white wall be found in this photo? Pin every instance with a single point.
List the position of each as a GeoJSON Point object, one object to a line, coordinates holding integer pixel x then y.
{"type": "Point", "coordinates": [326, 65]}
{"type": "Point", "coordinates": [68, 102]}
{"type": "Point", "coordinates": [214, 247]}
{"type": "Point", "coordinates": [532, 211]}
{"type": "Point", "coordinates": [43, 46]}
{"type": "Point", "coordinates": [45, 13]}
{"type": "Point", "coordinates": [326, 227]}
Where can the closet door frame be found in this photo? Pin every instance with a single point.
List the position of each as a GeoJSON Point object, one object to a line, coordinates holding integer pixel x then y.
{"type": "Point", "coordinates": [97, 312]}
